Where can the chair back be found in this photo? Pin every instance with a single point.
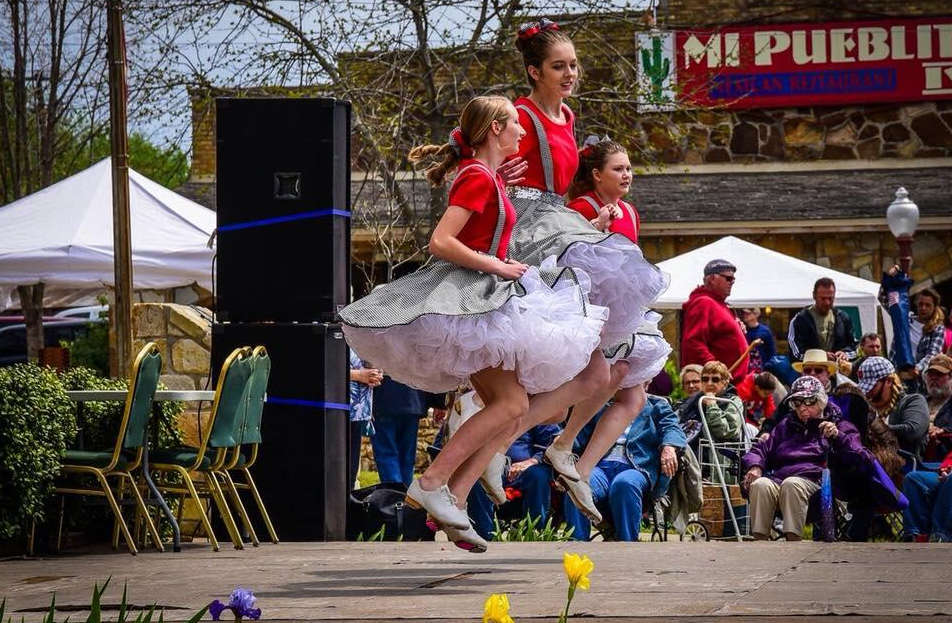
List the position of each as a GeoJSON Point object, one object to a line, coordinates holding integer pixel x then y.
{"type": "Point", "coordinates": [138, 409]}
{"type": "Point", "coordinates": [257, 388]}
{"type": "Point", "coordinates": [230, 395]}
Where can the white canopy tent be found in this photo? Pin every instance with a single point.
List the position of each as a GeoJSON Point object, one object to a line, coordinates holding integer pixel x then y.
{"type": "Point", "coordinates": [766, 277]}
{"type": "Point", "coordinates": [62, 236]}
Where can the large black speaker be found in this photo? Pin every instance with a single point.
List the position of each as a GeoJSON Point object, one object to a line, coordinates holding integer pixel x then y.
{"type": "Point", "coordinates": [302, 465]}
{"type": "Point", "coordinates": [283, 197]}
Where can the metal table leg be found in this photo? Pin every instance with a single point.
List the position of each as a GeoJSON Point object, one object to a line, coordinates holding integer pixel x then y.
{"type": "Point", "coordinates": [157, 496]}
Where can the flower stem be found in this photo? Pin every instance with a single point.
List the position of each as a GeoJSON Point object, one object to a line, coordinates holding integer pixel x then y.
{"type": "Point", "coordinates": [564, 617]}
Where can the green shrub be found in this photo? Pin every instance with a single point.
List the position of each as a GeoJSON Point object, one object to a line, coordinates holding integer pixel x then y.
{"type": "Point", "coordinates": [528, 529]}
{"type": "Point", "coordinates": [101, 420]}
{"type": "Point", "coordinates": [92, 349]}
{"type": "Point", "coordinates": [36, 422]}
{"type": "Point", "coordinates": [677, 394]}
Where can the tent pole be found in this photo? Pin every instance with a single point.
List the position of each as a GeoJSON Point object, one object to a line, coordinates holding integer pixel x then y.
{"type": "Point", "coordinates": [122, 245]}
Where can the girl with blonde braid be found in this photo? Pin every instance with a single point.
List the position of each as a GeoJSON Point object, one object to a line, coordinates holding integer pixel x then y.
{"type": "Point", "coordinates": [473, 314]}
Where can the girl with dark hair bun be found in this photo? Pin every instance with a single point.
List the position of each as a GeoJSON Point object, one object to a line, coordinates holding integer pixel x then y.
{"type": "Point", "coordinates": [474, 315]}
{"type": "Point", "coordinates": [602, 179]}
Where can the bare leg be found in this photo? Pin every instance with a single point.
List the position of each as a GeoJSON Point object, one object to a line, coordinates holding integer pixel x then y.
{"type": "Point", "coordinates": [628, 404]}
{"type": "Point", "coordinates": [506, 402]}
{"type": "Point", "coordinates": [543, 408]}
{"type": "Point", "coordinates": [586, 409]}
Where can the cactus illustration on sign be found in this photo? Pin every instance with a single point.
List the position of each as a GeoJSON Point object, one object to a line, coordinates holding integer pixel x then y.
{"type": "Point", "coordinates": [656, 67]}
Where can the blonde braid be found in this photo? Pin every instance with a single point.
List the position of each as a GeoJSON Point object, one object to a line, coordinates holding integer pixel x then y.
{"type": "Point", "coordinates": [898, 391]}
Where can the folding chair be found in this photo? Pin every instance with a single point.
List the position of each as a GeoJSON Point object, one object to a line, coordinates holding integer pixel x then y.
{"type": "Point", "coordinates": [250, 436]}
{"type": "Point", "coordinates": [126, 455]}
{"type": "Point", "coordinates": [213, 450]}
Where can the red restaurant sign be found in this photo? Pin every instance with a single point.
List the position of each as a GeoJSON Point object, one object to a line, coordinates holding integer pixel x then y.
{"type": "Point", "coordinates": [801, 64]}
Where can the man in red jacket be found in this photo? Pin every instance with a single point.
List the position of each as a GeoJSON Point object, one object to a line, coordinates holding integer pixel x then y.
{"type": "Point", "coordinates": [709, 329]}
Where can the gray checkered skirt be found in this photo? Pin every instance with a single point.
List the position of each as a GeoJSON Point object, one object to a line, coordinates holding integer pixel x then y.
{"type": "Point", "coordinates": [434, 328]}
{"type": "Point", "coordinates": [646, 352]}
{"type": "Point", "coordinates": [621, 278]}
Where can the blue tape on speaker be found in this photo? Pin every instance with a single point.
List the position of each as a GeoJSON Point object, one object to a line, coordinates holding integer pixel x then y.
{"type": "Point", "coordinates": [297, 402]}
{"type": "Point", "coordinates": [283, 219]}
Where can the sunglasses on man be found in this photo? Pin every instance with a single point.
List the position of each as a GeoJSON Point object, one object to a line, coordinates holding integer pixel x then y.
{"type": "Point", "coordinates": [817, 370]}
{"type": "Point", "coordinates": [805, 401]}
{"type": "Point", "coordinates": [727, 278]}
{"type": "Point", "coordinates": [710, 379]}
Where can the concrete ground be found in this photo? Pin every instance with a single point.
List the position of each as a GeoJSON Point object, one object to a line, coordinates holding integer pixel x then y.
{"type": "Point", "coordinates": [762, 582]}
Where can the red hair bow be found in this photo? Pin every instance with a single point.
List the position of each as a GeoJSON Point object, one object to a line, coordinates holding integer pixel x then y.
{"type": "Point", "coordinates": [531, 29]}
{"type": "Point", "coordinates": [459, 144]}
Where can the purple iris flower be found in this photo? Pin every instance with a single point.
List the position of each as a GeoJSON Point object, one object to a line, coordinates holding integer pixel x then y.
{"type": "Point", "coordinates": [241, 602]}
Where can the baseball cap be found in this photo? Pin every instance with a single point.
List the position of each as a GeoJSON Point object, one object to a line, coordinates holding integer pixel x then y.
{"type": "Point", "coordinates": [716, 266]}
{"type": "Point", "coordinates": [940, 363]}
{"type": "Point", "coordinates": [807, 387]}
{"type": "Point", "coordinates": [871, 370]}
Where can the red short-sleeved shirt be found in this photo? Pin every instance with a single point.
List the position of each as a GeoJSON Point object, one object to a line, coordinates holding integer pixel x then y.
{"type": "Point", "coordinates": [474, 190]}
{"type": "Point", "coordinates": [624, 225]}
{"type": "Point", "coordinates": [561, 144]}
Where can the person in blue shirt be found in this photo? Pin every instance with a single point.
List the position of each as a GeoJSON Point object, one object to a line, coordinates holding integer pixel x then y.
{"type": "Point", "coordinates": [642, 461]}
{"type": "Point", "coordinates": [363, 379]}
{"type": "Point", "coordinates": [397, 410]}
{"type": "Point", "coordinates": [768, 347]}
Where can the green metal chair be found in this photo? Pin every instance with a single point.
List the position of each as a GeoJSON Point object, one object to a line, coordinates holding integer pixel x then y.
{"type": "Point", "coordinates": [126, 455]}
{"type": "Point", "coordinates": [214, 447]}
{"type": "Point", "coordinates": [249, 438]}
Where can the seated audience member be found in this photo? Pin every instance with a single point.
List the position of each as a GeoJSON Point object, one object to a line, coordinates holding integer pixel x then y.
{"type": "Point", "coordinates": [939, 398]}
{"type": "Point", "coordinates": [642, 461]}
{"type": "Point", "coordinates": [907, 415]}
{"type": "Point", "coordinates": [724, 419]}
{"type": "Point", "coordinates": [929, 516]}
{"type": "Point", "coordinates": [870, 345]}
{"type": "Point", "coordinates": [783, 471]}
{"type": "Point", "coordinates": [763, 353]}
{"type": "Point", "coordinates": [691, 379]}
{"type": "Point", "coordinates": [756, 391]}
{"type": "Point", "coordinates": [839, 388]}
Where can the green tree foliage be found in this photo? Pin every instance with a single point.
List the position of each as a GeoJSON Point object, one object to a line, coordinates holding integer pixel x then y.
{"type": "Point", "coordinates": [166, 165]}
{"type": "Point", "coordinates": [36, 422]}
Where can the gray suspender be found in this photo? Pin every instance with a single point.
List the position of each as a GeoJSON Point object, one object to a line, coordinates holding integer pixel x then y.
{"type": "Point", "coordinates": [631, 213]}
{"type": "Point", "coordinates": [501, 216]}
{"type": "Point", "coordinates": [592, 203]}
{"type": "Point", "coordinates": [544, 152]}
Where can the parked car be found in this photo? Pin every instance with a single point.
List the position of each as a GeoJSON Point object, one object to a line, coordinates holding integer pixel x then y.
{"type": "Point", "coordinates": [13, 337]}
{"type": "Point", "coordinates": [90, 312]}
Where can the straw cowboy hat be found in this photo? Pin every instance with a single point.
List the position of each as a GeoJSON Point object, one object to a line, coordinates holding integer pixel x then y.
{"type": "Point", "coordinates": [815, 357]}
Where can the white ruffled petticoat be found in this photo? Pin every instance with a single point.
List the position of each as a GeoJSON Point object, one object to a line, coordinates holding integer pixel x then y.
{"type": "Point", "coordinates": [545, 334]}
{"type": "Point", "coordinates": [621, 278]}
{"type": "Point", "coordinates": [646, 352]}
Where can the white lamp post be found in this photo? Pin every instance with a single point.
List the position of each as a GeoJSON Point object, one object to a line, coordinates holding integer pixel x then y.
{"type": "Point", "coordinates": [903, 218]}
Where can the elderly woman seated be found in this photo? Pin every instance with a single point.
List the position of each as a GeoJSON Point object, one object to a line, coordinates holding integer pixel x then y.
{"type": "Point", "coordinates": [724, 419]}
{"type": "Point", "coordinates": [784, 470]}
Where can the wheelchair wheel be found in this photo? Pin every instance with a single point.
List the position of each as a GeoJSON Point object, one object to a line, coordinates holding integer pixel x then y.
{"type": "Point", "coordinates": [695, 531]}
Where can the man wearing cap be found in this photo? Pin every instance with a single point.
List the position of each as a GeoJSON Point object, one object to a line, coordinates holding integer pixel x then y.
{"type": "Point", "coordinates": [822, 326]}
{"type": "Point", "coordinates": [906, 414]}
{"type": "Point", "coordinates": [709, 330]}
{"type": "Point", "coordinates": [939, 397]}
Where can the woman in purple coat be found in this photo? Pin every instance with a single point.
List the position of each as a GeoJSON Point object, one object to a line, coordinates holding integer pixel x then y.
{"type": "Point", "coordinates": [784, 470]}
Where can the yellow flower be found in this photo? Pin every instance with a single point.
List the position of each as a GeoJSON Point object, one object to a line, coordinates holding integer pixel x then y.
{"type": "Point", "coordinates": [577, 569]}
{"type": "Point", "coordinates": [496, 609]}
